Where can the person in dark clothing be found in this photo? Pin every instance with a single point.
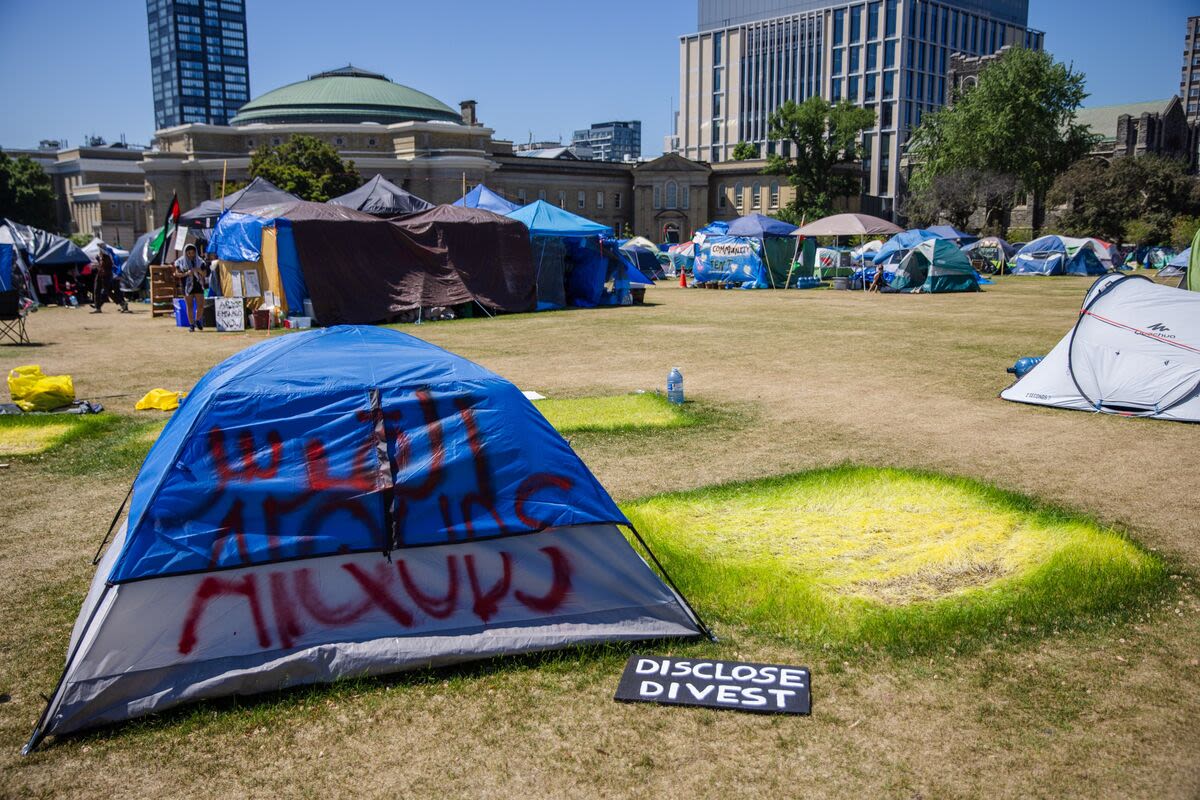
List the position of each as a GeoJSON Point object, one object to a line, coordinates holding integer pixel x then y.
{"type": "Point", "coordinates": [106, 287]}
{"type": "Point", "coordinates": [192, 270]}
{"type": "Point", "coordinates": [877, 282]}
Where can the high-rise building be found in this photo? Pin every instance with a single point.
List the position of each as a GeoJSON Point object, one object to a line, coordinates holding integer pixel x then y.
{"type": "Point", "coordinates": [1189, 79]}
{"type": "Point", "coordinates": [750, 56]}
{"type": "Point", "coordinates": [612, 141]}
{"type": "Point", "coordinates": [198, 63]}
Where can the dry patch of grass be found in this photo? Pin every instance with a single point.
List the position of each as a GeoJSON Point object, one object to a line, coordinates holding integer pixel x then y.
{"type": "Point", "coordinates": [625, 412]}
{"type": "Point", "coordinates": [890, 557]}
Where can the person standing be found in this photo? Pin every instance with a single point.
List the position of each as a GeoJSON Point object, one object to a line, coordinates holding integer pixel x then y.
{"type": "Point", "coordinates": [191, 268]}
{"type": "Point", "coordinates": [105, 287]}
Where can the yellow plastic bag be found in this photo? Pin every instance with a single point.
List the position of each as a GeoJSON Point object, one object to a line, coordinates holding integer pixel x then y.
{"type": "Point", "coordinates": [33, 391]}
{"type": "Point", "coordinates": [161, 399]}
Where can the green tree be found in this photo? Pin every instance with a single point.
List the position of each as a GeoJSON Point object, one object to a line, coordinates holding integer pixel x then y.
{"type": "Point", "coordinates": [1183, 230]}
{"type": "Point", "coordinates": [823, 138]}
{"type": "Point", "coordinates": [26, 194]}
{"type": "Point", "coordinates": [307, 167]}
{"type": "Point", "coordinates": [1138, 199]}
{"type": "Point", "coordinates": [1018, 120]}
{"type": "Point", "coordinates": [744, 151]}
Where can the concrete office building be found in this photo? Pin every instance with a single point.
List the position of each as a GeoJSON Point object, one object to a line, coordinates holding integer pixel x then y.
{"type": "Point", "coordinates": [612, 141]}
{"type": "Point", "coordinates": [751, 56]}
{"type": "Point", "coordinates": [198, 65]}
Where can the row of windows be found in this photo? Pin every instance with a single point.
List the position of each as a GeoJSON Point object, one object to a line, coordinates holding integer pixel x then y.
{"type": "Point", "coordinates": [756, 196]}
{"type": "Point", "coordinates": [872, 52]}
{"type": "Point", "coordinates": [872, 14]}
{"type": "Point", "coordinates": [671, 195]}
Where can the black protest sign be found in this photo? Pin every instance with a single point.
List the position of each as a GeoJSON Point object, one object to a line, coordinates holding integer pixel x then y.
{"type": "Point", "coordinates": [738, 685]}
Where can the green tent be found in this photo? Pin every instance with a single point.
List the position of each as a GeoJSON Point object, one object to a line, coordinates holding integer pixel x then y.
{"type": "Point", "coordinates": [803, 260]}
{"type": "Point", "coordinates": [1193, 268]}
{"type": "Point", "coordinates": [935, 265]}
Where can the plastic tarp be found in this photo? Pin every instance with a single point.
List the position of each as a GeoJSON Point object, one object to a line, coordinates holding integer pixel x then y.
{"type": "Point", "coordinates": [135, 268]}
{"type": "Point", "coordinates": [8, 263]}
{"type": "Point", "coordinates": [380, 197]}
{"type": "Point", "coordinates": [715, 228]}
{"type": "Point", "coordinates": [33, 390]}
{"type": "Point", "coordinates": [341, 503]}
{"type": "Point", "coordinates": [1134, 351]}
{"type": "Point", "coordinates": [644, 260]}
{"type": "Point", "coordinates": [1181, 259]}
{"type": "Point", "coordinates": [44, 249]}
{"type": "Point", "coordinates": [544, 219]}
{"type": "Point", "coordinates": [935, 265]}
{"type": "Point", "coordinates": [256, 194]}
{"type": "Point", "coordinates": [1058, 255]}
{"type": "Point", "coordinates": [901, 243]}
{"type": "Point", "coordinates": [952, 233]}
{"type": "Point", "coordinates": [483, 197]}
{"type": "Point", "coordinates": [731, 261]}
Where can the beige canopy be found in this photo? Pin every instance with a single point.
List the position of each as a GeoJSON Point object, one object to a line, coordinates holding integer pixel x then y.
{"type": "Point", "coordinates": [849, 225]}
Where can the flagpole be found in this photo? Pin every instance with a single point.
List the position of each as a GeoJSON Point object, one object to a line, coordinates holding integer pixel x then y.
{"type": "Point", "coordinates": [224, 170]}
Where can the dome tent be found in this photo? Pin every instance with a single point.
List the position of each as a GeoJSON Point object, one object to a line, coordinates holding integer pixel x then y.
{"type": "Point", "coordinates": [349, 502]}
{"type": "Point", "coordinates": [483, 197]}
{"type": "Point", "coordinates": [1134, 351]}
{"type": "Point", "coordinates": [1058, 255]}
{"type": "Point", "coordinates": [935, 265]}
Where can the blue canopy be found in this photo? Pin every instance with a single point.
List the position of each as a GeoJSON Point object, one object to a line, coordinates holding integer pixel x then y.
{"type": "Point", "coordinates": [342, 440]}
{"type": "Point", "coordinates": [903, 242]}
{"type": "Point", "coordinates": [483, 197]}
{"type": "Point", "coordinates": [544, 219]}
{"type": "Point", "coordinates": [758, 225]}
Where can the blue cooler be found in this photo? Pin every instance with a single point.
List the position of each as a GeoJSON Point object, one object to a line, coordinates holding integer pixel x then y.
{"type": "Point", "coordinates": [181, 319]}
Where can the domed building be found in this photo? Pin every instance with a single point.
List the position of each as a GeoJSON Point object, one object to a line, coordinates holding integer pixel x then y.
{"type": "Point", "coordinates": [344, 96]}
{"type": "Point", "coordinates": [426, 147]}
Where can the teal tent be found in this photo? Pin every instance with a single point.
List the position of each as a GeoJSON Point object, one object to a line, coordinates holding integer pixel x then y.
{"type": "Point", "coordinates": [935, 265]}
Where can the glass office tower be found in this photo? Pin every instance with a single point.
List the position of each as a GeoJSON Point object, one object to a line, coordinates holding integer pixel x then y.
{"type": "Point", "coordinates": [198, 62]}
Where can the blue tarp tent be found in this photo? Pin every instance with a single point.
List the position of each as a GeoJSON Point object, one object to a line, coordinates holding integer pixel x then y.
{"type": "Point", "coordinates": [238, 238]}
{"type": "Point", "coordinates": [342, 503]}
{"type": "Point", "coordinates": [483, 197]}
{"type": "Point", "coordinates": [731, 261]}
{"type": "Point", "coordinates": [895, 248]}
{"type": "Point", "coordinates": [952, 233]}
{"type": "Point", "coordinates": [8, 263]}
{"type": "Point", "coordinates": [715, 228]}
{"type": "Point", "coordinates": [760, 226]}
{"type": "Point", "coordinates": [1058, 255]}
{"type": "Point", "coordinates": [571, 266]}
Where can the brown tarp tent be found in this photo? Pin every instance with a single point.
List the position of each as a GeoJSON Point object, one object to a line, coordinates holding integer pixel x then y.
{"type": "Point", "coordinates": [361, 271]}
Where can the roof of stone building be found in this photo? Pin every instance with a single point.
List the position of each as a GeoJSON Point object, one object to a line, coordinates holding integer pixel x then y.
{"type": "Point", "coordinates": [346, 95]}
{"type": "Point", "coordinates": [1102, 120]}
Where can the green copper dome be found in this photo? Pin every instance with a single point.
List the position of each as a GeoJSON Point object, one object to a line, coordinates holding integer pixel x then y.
{"type": "Point", "coordinates": [348, 95]}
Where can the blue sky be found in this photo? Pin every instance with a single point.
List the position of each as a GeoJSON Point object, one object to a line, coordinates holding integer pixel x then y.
{"type": "Point", "coordinates": [535, 66]}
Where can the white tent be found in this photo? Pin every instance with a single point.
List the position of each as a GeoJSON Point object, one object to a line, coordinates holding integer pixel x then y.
{"type": "Point", "coordinates": [1135, 351]}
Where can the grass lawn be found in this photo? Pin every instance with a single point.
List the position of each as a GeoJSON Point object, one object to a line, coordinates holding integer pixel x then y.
{"type": "Point", "coordinates": [1081, 680]}
{"type": "Point", "coordinates": [890, 558]}
{"type": "Point", "coordinates": [627, 412]}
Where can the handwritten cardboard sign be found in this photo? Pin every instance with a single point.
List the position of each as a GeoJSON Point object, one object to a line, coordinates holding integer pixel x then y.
{"type": "Point", "coordinates": [230, 314]}
{"type": "Point", "coordinates": [737, 685]}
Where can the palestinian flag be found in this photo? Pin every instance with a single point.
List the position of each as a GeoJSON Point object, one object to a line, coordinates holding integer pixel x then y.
{"type": "Point", "coordinates": [160, 242]}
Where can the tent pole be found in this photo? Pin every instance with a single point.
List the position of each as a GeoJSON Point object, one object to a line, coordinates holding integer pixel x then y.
{"type": "Point", "coordinates": [712, 637]}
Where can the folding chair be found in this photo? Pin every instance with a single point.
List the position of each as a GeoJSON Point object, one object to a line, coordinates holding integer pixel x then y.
{"type": "Point", "coordinates": [12, 318]}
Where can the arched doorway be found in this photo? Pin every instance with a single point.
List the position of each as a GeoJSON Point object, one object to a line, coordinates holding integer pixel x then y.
{"type": "Point", "coordinates": [670, 233]}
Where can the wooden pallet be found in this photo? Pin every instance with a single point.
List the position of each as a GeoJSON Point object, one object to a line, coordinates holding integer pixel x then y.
{"type": "Point", "coordinates": [164, 288]}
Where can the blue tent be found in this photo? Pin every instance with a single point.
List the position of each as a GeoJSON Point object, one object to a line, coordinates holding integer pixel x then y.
{"type": "Point", "coordinates": [715, 228]}
{"type": "Point", "coordinates": [238, 237]}
{"type": "Point", "coordinates": [7, 265]}
{"type": "Point", "coordinates": [758, 225]}
{"type": "Point", "coordinates": [1058, 255]}
{"type": "Point", "coordinates": [483, 197]}
{"type": "Point", "coordinates": [349, 502]}
{"type": "Point", "coordinates": [731, 261]}
{"type": "Point", "coordinates": [952, 233]}
{"type": "Point", "coordinates": [1181, 260]}
{"type": "Point", "coordinates": [544, 219]}
{"type": "Point", "coordinates": [898, 246]}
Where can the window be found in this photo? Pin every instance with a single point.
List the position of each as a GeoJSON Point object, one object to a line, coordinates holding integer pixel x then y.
{"type": "Point", "coordinates": [737, 196]}
{"type": "Point", "coordinates": [718, 48]}
{"type": "Point", "coordinates": [672, 194]}
{"type": "Point", "coordinates": [581, 199]}
{"type": "Point", "coordinates": [599, 199]}
{"type": "Point", "coordinates": [852, 90]}
{"type": "Point", "coordinates": [722, 198]}
{"type": "Point", "coordinates": [339, 141]}
{"type": "Point", "coordinates": [872, 57]}
{"type": "Point", "coordinates": [275, 140]}
{"type": "Point", "coordinates": [371, 142]}
{"type": "Point", "coordinates": [686, 195]}
{"type": "Point", "coordinates": [717, 79]}
{"type": "Point", "coordinates": [756, 196]}
{"type": "Point", "coordinates": [657, 196]}
{"type": "Point", "coordinates": [889, 85]}
{"type": "Point", "coordinates": [541, 194]}
{"type": "Point", "coordinates": [839, 25]}
{"type": "Point", "coordinates": [837, 61]}
{"type": "Point", "coordinates": [855, 53]}
{"type": "Point", "coordinates": [716, 106]}
{"type": "Point", "coordinates": [774, 195]}
{"type": "Point", "coordinates": [889, 26]}
{"type": "Point", "coordinates": [873, 21]}
{"type": "Point", "coordinates": [870, 88]}
{"type": "Point", "coordinates": [888, 112]}
{"type": "Point", "coordinates": [562, 200]}
{"type": "Point", "coordinates": [855, 24]}
{"type": "Point", "coordinates": [521, 196]}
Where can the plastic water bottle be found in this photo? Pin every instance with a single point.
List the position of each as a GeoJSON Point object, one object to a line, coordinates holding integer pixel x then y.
{"type": "Point", "coordinates": [675, 386]}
